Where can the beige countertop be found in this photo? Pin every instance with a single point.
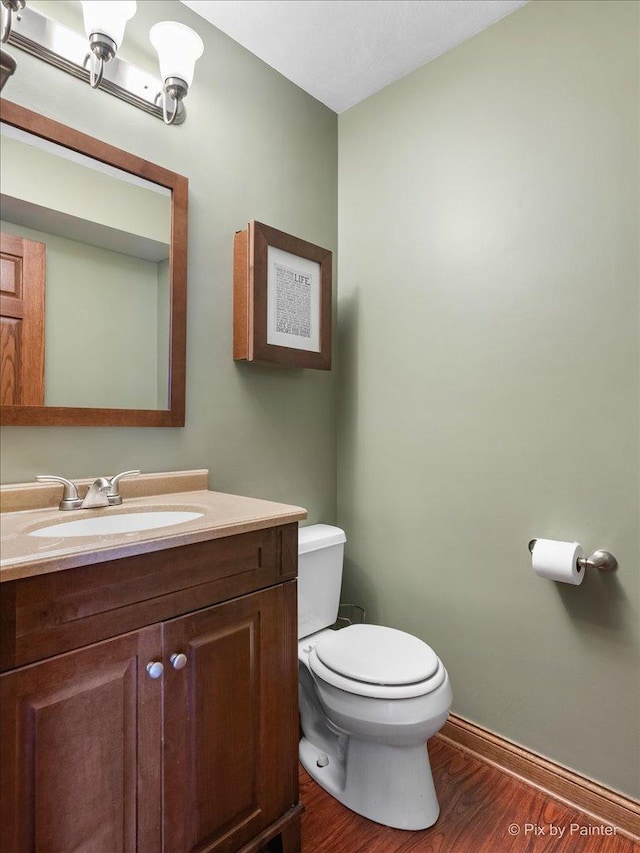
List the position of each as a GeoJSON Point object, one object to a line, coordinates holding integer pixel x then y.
{"type": "Point", "coordinates": [23, 555]}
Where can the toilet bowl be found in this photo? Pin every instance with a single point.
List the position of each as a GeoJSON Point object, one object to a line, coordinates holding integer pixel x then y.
{"type": "Point", "coordinates": [370, 697]}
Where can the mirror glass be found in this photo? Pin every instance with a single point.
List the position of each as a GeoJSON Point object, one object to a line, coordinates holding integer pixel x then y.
{"type": "Point", "coordinates": [93, 289]}
{"type": "Point", "coordinates": [104, 237]}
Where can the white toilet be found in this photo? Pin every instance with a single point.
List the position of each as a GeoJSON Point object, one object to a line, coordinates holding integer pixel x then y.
{"type": "Point", "coordinates": [369, 698]}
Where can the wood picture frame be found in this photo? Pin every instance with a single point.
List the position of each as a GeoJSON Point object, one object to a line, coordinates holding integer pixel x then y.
{"type": "Point", "coordinates": [282, 299]}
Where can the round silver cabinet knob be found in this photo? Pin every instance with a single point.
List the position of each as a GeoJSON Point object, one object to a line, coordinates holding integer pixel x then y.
{"type": "Point", "coordinates": [178, 660]}
{"type": "Point", "coordinates": [155, 669]}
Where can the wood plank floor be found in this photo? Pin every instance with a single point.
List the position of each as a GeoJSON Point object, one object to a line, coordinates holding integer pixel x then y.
{"type": "Point", "coordinates": [478, 805]}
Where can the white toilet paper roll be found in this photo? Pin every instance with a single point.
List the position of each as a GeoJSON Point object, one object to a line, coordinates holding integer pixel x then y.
{"type": "Point", "coordinates": [558, 561]}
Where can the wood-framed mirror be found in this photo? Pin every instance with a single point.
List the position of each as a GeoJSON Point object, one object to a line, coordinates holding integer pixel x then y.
{"type": "Point", "coordinates": [94, 280]}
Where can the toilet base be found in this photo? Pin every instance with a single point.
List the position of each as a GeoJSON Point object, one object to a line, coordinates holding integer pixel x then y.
{"type": "Point", "coordinates": [391, 785]}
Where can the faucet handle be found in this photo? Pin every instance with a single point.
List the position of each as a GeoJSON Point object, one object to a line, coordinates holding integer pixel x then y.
{"type": "Point", "coordinates": [112, 494]}
{"type": "Point", "coordinates": [70, 499]}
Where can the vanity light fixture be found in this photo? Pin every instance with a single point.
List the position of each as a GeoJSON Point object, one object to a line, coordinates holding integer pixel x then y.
{"type": "Point", "coordinates": [97, 61]}
{"type": "Point", "coordinates": [104, 24]}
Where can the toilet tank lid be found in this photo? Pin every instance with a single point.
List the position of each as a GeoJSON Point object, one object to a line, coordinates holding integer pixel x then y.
{"type": "Point", "coordinates": [315, 536]}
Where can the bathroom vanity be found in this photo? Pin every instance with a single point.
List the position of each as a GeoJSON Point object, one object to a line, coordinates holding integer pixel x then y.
{"type": "Point", "coordinates": [149, 679]}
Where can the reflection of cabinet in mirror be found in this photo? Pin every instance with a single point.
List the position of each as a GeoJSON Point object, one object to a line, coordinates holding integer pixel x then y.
{"type": "Point", "coordinates": [114, 229]}
{"type": "Point", "coordinates": [22, 281]}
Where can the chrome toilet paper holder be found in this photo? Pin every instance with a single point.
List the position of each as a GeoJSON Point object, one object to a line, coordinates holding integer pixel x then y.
{"type": "Point", "coordinates": [603, 561]}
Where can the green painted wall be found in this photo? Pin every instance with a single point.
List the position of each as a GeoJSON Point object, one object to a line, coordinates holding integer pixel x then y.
{"type": "Point", "coordinates": [164, 324]}
{"type": "Point", "coordinates": [488, 392]}
{"type": "Point", "coordinates": [49, 180]}
{"type": "Point", "coordinates": [254, 146]}
{"type": "Point", "coordinates": [85, 288]}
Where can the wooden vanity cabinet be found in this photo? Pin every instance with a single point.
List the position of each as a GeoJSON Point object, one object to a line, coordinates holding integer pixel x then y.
{"type": "Point", "coordinates": [99, 756]}
{"type": "Point", "coordinates": [81, 764]}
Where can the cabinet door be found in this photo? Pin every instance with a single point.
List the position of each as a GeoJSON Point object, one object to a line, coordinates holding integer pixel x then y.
{"type": "Point", "coordinates": [73, 730]}
{"type": "Point", "coordinates": [231, 721]}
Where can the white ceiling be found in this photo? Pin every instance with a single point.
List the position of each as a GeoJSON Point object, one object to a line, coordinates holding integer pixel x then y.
{"type": "Point", "coordinates": [342, 51]}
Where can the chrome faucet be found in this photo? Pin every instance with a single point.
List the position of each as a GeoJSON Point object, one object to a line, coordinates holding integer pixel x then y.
{"type": "Point", "coordinates": [97, 494]}
{"type": "Point", "coordinates": [102, 492]}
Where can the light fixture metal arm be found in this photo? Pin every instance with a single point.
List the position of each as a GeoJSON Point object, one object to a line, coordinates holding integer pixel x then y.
{"type": "Point", "coordinates": [11, 7]}
{"type": "Point", "coordinates": [102, 50]}
{"type": "Point", "coordinates": [176, 89]}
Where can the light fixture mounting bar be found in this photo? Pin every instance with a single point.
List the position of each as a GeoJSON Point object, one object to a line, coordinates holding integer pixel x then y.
{"type": "Point", "coordinates": [68, 50]}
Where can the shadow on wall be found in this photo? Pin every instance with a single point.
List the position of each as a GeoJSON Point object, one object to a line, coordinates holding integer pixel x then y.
{"type": "Point", "coordinates": [347, 336]}
{"type": "Point", "coordinates": [356, 584]}
{"type": "Point", "coordinates": [357, 589]}
{"type": "Point", "coordinates": [602, 603]}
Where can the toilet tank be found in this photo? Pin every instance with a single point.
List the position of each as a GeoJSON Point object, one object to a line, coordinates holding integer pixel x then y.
{"type": "Point", "coordinates": [320, 555]}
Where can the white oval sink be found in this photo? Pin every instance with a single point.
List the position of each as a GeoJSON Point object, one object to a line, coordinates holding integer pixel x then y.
{"type": "Point", "coordinates": [130, 522]}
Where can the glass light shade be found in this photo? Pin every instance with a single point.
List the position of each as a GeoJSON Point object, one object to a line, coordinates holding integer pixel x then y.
{"type": "Point", "coordinates": [108, 17]}
{"type": "Point", "coordinates": [178, 49]}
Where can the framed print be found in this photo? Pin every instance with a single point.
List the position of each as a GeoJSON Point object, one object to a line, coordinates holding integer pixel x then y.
{"type": "Point", "coordinates": [282, 299]}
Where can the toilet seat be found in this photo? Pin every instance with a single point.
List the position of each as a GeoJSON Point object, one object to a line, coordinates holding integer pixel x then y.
{"type": "Point", "coordinates": [377, 655]}
{"type": "Point", "coordinates": [375, 661]}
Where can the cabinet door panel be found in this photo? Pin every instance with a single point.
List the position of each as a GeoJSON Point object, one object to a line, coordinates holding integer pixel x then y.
{"type": "Point", "coordinates": [225, 734]}
{"type": "Point", "coordinates": [227, 761]}
{"type": "Point", "coordinates": [70, 729]}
